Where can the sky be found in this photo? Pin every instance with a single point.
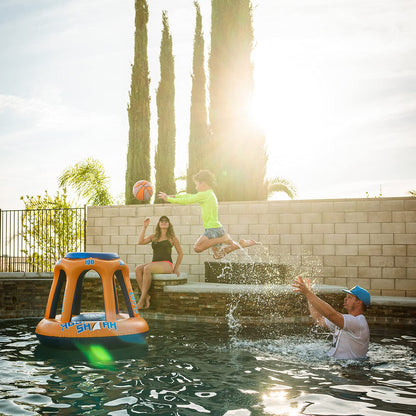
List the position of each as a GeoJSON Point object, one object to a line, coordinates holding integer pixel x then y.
{"type": "Point", "coordinates": [335, 91]}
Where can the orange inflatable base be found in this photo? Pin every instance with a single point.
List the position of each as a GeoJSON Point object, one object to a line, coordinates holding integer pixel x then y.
{"type": "Point", "coordinates": [92, 329]}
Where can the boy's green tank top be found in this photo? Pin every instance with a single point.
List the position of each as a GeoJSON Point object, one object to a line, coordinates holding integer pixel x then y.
{"type": "Point", "coordinates": [208, 202]}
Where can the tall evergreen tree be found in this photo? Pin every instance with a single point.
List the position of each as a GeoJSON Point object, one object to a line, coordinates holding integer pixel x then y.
{"type": "Point", "coordinates": [237, 146]}
{"type": "Point", "coordinates": [138, 154]}
{"type": "Point", "coordinates": [165, 100]}
{"type": "Point", "coordinates": [198, 134]}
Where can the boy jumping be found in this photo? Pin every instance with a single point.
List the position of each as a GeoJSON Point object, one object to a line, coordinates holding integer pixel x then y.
{"type": "Point", "coordinates": [214, 234]}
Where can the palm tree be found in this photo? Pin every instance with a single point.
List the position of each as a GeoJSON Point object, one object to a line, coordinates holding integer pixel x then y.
{"type": "Point", "coordinates": [181, 184]}
{"type": "Point", "coordinates": [282, 185]}
{"type": "Point", "coordinates": [89, 180]}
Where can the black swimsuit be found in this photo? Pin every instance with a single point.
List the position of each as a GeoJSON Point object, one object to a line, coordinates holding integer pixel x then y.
{"type": "Point", "coordinates": [162, 250]}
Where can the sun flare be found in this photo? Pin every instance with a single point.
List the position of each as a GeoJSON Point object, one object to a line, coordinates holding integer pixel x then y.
{"type": "Point", "coordinates": [289, 102]}
{"type": "Point", "coordinates": [297, 103]}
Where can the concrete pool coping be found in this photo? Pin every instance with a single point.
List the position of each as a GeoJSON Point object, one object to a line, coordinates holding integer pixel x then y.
{"type": "Point", "coordinates": [252, 289]}
{"type": "Point", "coordinates": [229, 288]}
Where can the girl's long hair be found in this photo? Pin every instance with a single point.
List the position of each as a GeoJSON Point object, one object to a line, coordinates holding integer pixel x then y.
{"type": "Point", "coordinates": [170, 232]}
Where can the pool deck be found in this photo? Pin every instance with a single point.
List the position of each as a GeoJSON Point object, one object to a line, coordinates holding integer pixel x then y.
{"type": "Point", "coordinates": [202, 287]}
{"type": "Point", "coordinates": [319, 289]}
{"type": "Point", "coordinates": [241, 288]}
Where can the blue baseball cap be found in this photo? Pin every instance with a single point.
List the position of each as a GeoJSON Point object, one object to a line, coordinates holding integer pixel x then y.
{"type": "Point", "coordinates": [360, 293]}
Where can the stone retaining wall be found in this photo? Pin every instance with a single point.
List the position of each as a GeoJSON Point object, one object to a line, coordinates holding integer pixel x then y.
{"type": "Point", "coordinates": [172, 298]}
{"type": "Point", "coordinates": [22, 297]}
{"type": "Point", "coordinates": [370, 241]}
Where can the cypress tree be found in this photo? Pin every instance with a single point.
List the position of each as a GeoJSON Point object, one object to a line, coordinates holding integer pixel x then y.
{"type": "Point", "coordinates": [198, 118]}
{"type": "Point", "coordinates": [237, 148]}
{"type": "Point", "coordinates": [165, 100]}
{"type": "Point", "coordinates": [138, 154]}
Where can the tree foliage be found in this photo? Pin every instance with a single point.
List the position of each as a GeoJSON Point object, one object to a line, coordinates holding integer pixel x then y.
{"type": "Point", "coordinates": [198, 133]}
{"type": "Point", "coordinates": [89, 180]}
{"type": "Point", "coordinates": [282, 185]}
{"type": "Point", "coordinates": [165, 100]}
{"type": "Point", "coordinates": [138, 154]}
{"type": "Point", "coordinates": [237, 145]}
{"type": "Point", "coordinates": [50, 229]}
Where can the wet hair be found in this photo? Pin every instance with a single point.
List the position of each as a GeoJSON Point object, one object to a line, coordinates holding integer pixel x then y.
{"type": "Point", "coordinates": [170, 233]}
{"type": "Point", "coordinates": [205, 176]}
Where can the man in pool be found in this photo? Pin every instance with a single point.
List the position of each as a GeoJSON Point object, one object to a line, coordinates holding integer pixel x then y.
{"type": "Point", "coordinates": [351, 335]}
{"type": "Point", "coordinates": [214, 235]}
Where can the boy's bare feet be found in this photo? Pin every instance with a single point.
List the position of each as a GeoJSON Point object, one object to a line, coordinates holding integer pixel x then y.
{"type": "Point", "coordinates": [232, 245]}
{"type": "Point", "coordinates": [229, 241]}
{"type": "Point", "coordinates": [247, 243]}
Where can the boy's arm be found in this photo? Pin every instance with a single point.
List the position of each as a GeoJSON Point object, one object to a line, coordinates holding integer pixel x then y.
{"type": "Point", "coordinates": [185, 199]}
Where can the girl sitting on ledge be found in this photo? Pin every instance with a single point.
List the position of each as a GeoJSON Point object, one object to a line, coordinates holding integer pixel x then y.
{"type": "Point", "coordinates": [162, 241]}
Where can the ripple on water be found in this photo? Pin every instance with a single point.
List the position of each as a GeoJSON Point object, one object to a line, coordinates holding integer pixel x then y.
{"type": "Point", "coordinates": [198, 368]}
{"type": "Point", "coordinates": [323, 404]}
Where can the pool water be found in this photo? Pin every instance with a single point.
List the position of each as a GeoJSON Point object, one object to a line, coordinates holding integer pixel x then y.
{"type": "Point", "coordinates": [197, 368]}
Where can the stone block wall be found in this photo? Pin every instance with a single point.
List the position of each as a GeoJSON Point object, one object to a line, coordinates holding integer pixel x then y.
{"type": "Point", "coordinates": [22, 297]}
{"type": "Point", "coordinates": [370, 241]}
{"type": "Point", "coordinates": [26, 296]}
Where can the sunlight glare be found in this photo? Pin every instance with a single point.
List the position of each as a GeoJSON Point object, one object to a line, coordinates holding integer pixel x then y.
{"type": "Point", "coordinates": [277, 402]}
{"type": "Point", "coordinates": [291, 102]}
{"type": "Point", "coordinates": [291, 105]}
{"type": "Point", "coordinates": [303, 102]}
{"type": "Point", "coordinates": [279, 395]}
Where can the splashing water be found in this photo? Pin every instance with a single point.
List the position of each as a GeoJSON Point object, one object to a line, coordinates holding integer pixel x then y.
{"type": "Point", "coordinates": [234, 325]}
{"type": "Point", "coordinates": [258, 269]}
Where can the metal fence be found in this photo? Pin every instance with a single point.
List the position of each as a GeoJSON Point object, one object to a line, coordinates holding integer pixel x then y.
{"type": "Point", "coordinates": [34, 240]}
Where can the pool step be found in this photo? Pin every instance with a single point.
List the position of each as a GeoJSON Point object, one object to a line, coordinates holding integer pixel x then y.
{"type": "Point", "coordinates": [166, 279]}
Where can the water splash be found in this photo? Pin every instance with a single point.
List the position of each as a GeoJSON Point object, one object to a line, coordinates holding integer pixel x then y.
{"type": "Point", "coordinates": [260, 272]}
{"type": "Point", "coordinates": [234, 325]}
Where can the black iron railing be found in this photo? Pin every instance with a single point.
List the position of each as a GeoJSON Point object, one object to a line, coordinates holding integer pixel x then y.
{"type": "Point", "coordinates": [34, 240]}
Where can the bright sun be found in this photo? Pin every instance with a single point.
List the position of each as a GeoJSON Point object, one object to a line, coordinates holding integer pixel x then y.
{"type": "Point", "coordinates": [289, 101]}
{"type": "Point", "coordinates": [294, 105]}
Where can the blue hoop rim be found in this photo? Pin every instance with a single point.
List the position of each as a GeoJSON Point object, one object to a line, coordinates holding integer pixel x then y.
{"type": "Point", "coordinates": [88, 255]}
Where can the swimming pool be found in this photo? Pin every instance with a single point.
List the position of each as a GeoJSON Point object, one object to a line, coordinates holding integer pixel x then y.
{"type": "Point", "coordinates": [198, 368]}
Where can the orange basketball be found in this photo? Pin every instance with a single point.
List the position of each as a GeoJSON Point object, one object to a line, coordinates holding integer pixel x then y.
{"type": "Point", "coordinates": [143, 190]}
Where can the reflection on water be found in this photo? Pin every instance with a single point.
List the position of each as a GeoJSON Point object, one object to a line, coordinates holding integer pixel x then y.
{"type": "Point", "coordinates": [190, 369]}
